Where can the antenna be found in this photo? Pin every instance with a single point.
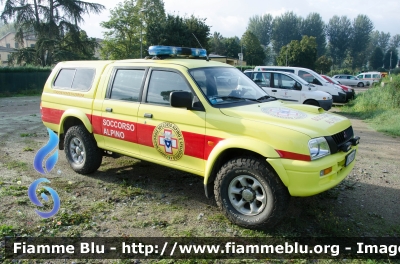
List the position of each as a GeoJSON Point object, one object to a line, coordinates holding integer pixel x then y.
{"type": "Point", "coordinates": [197, 40]}
{"type": "Point", "coordinates": [207, 59]}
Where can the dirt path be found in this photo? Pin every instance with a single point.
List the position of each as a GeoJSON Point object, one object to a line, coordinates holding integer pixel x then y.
{"type": "Point", "coordinates": [128, 197]}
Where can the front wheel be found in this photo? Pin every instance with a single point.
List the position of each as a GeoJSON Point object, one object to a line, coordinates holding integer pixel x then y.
{"type": "Point", "coordinates": [250, 193]}
{"type": "Point", "coordinates": [312, 102]}
{"type": "Point", "coordinates": [81, 150]}
{"type": "Point", "coordinates": [360, 84]}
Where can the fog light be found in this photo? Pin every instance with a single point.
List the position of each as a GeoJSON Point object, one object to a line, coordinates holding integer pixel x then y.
{"type": "Point", "coordinates": [355, 141]}
{"type": "Point", "coordinates": [346, 147]}
{"type": "Point", "coordinates": [325, 172]}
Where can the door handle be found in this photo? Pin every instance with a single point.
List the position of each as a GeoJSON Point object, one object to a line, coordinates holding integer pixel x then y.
{"type": "Point", "coordinates": [274, 91]}
{"type": "Point", "coordinates": [109, 109]}
{"type": "Point", "coordinates": [148, 115]}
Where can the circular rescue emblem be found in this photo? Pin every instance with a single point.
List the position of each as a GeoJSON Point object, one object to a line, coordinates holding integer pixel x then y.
{"type": "Point", "coordinates": [169, 141]}
{"type": "Point", "coordinates": [285, 113]}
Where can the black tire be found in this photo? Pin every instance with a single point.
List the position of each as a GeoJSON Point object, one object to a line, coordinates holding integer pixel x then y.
{"type": "Point", "coordinates": [261, 181]}
{"type": "Point", "coordinates": [312, 102]}
{"type": "Point", "coordinates": [360, 84]}
{"type": "Point", "coordinates": [81, 150]}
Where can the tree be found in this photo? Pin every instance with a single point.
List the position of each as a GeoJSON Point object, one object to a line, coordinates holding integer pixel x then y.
{"type": "Point", "coordinates": [127, 27]}
{"type": "Point", "coordinates": [376, 59]}
{"type": "Point", "coordinates": [48, 20]}
{"type": "Point", "coordinates": [339, 32]}
{"type": "Point", "coordinates": [122, 40]}
{"type": "Point", "coordinates": [252, 49]}
{"type": "Point", "coordinates": [314, 26]}
{"type": "Point", "coordinates": [285, 29]}
{"type": "Point", "coordinates": [179, 31]}
{"type": "Point", "coordinates": [395, 41]}
{"type": "Point", "coordinates": [299, 53]}
{"type": "Point", "coordinates": [6, 28]}
{"type": "Point", "coordinates": [383, 41]}
{"type": "Point", "coordinates": [232, 47]}
{"type": "Point", "coordinates": [261, 27]}
{"type": "Point", "coordinates": [391, 58]}
{"type": "Point", "coordinates": [216, 44]}
{"type": "Point", "coordinates": [362, 29]}
{"type": "Point", "coordinates": [323, 64]}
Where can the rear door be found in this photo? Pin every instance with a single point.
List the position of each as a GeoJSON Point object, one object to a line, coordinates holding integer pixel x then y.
{"type": "Point", "coordinates": [120, 107]}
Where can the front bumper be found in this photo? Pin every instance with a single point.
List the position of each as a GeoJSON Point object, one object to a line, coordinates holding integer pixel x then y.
{"type": "Point", "coordinates": [350, 95]}
{"type": "Point", "coordinates": [302, 178]}
{"type": "Point", "coordinates": [341, 98]}
{"type": "Point", "coordinates": [325, 104]}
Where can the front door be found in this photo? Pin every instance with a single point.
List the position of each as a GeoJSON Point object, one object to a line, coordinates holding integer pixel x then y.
{"type": "Point", "coordinates": [169, 135]}
{"type": "Point", "coordinates": [285, 89]}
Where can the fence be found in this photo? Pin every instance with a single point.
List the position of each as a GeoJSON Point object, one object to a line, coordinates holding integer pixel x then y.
{"type": "Point", "coordinates": [22, 80]}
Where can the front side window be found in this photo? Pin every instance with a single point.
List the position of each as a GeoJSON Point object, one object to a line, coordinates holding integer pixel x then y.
{"type": "Point", "coordinates": [284, 82]}
{"type": "Point", "coordinates": [162, 83]}
{"type": "Point", "coordinates": [306, 76]}
{"type": "Point", "coordinates": [127, 84]}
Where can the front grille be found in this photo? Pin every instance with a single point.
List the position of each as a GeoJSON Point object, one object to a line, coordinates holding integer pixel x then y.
{"type": "Point", "coordinates": [343, 137]}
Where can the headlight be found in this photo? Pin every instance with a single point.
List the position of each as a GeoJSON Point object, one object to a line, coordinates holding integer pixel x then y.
{"type": "Point", "coordinates": [318, 148]}
{"type": "Point", "coordinates": [337, 87]}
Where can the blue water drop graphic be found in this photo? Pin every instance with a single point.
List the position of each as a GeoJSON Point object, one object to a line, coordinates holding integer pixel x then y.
{"type": "Point", "coordinates": [44, 151]}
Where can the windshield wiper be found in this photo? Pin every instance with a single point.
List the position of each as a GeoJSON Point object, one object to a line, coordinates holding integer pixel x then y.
{"type": "Point", "coordinates": [266, 97]}
{"type": "Point", "coordinates": [226, 97]}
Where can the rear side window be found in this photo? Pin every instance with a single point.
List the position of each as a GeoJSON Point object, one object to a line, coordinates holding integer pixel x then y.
{"type": "Point", "coordinates": [127, 85]}
{"type": "Point", "coordinates": [78, 79]}
{"type": "Point", "coordinates": [367, 75]}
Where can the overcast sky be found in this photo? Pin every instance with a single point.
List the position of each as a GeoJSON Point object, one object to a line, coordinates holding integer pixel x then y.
{"type": "Point", "coordinates": [230, 17]}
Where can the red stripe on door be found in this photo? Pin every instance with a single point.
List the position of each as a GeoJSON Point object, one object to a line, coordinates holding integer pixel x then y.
{"type": "Point", "coordinates": [115, 128]}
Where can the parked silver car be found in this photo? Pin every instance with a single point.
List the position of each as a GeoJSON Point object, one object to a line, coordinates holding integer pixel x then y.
{"type": "Point", "coordinates": [351, 80]}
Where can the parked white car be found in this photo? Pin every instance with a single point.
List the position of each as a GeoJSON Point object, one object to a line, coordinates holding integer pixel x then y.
{"type": "Point", "coordinates": [312, 77]}
{"type": "Point", "coordinates": [350, 80]}
{"type": "Point", "coordinates": [290, 87]}
{"type": "Point", "coordinates": [372, 77]}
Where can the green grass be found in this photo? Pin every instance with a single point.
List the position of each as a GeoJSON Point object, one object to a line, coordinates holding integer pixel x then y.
{"type": "Point", "coordinates": [17, 165]}
{"type": "Point", "coordinates": [34, 92]}
{"type": "Point", "coordinates": [380, 106]}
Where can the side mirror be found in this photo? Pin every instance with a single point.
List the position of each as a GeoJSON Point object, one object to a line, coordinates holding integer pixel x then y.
{"type": "Point", "coordinates": [297, 86]}
{"type": "Point", "coordinates": [181, 99]}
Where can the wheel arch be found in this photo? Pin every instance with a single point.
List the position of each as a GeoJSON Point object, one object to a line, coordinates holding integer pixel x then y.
{"type": "Point", "coordinates": [229, 149]}
{"type": "Point", "coordinates": [72, 118]}
{"type": "Point", "coordinates": [311, 102]}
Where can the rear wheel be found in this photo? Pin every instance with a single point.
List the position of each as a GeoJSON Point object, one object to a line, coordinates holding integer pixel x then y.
{"type": "Point", "coordinates": [360, 84]}
{"type": "Point", "coordinates": [81, 150]}
{"type": "Point", "coordinates": [250, 193]}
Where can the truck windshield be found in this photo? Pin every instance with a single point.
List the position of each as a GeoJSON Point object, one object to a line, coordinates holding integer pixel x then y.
{"type": "Point", "coordinates": [227, 85]}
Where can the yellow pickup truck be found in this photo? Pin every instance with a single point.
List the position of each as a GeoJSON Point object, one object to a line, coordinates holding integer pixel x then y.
{"type": "Point", "coordinates": [179, 109]}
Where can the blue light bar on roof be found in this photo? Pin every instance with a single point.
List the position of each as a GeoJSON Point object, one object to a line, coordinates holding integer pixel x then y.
{"type": "Point", "coordinates": [169, 50]}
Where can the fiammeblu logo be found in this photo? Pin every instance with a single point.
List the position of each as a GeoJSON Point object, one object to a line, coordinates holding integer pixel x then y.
{"type": "Point", "coordinates": [49, 163]}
